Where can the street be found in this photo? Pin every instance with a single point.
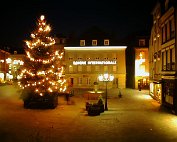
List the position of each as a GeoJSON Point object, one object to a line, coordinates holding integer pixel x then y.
{"type": "Point", "coordinates": [135, 117]}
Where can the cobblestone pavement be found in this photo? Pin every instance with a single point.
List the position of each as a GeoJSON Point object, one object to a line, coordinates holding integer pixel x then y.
{"type": "Point", "coordinates": [135, 117]}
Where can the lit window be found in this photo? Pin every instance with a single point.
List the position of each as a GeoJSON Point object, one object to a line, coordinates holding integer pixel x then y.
{"type": "Point", "coordinates": [142, 55]}
{"type": "Point", "coordinates": [106, 42]}
{"type": "Point", "coordinates": [88, 68]}
{"type": "Point", "coordinates": [82, 42]}
{"type": "Point", "coordinates": [79, 80]}
{"type": "Point", "coordinates": [164, 60]}
{"type": "Point", "coordinates": [88, 81]}
{"type": "Point", "coordinates": [142, 42]}
{"type": "Point", "coordinates": [71, 68]}
{"type": "Point", "coordinates": [79, 68]}
{"type": "Point", "coordinates": [173, 58]}
{"type": "Point", "coordinates": [94, 42]}
{"type": "Point", "coordinates": [114, 69]}
{"type": "Point", "coordinates": [168, 66]}
{"type": "Point", "coordinates": [97, 68]}
{"type": "Point", "coordinates": [105, 68]}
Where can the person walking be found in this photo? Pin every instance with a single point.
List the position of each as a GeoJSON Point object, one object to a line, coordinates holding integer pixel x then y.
{"type": "Point", "coordinates": [67, 97]}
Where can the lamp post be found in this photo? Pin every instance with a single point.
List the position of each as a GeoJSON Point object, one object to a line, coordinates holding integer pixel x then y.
{"type": "Point", "coordinates": [106, 78]}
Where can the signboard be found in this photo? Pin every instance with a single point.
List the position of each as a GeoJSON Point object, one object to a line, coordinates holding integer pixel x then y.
{"type": "Point", "coordinates": [94, 62]}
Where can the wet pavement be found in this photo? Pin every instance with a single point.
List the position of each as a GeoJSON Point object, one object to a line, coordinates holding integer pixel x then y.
{"type": "Point", "coordinates": [135, 117]}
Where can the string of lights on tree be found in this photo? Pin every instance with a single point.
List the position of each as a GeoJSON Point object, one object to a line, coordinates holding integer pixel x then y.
{"type": "Point", "coordinates": [43, 69]}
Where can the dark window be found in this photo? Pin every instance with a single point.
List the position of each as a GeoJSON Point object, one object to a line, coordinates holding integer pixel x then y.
{"type": "Point", "coordinates": [142, 42]}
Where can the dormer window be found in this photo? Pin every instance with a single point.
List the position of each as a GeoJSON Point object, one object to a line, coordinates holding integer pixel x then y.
{"type": "Point", "coordinates": [106, 42]}
{"type": "Point", "coordinates": [82, 42]}
{"type": "Point", "coordinates": [94, 42]}
{"type": "Point", "coordinates": [142, 42]}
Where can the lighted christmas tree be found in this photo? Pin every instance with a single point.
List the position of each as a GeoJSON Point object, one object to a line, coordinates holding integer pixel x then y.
{"type": "Point", "coordinates": [42, 74]}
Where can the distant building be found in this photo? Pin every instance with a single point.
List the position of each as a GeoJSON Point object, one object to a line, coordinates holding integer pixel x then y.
{"type": "Point", "coordinates": [15, 64]}
{"type": "Point", "coordinates": [4, 66]}
{"type": "Point", "coordinates": [92, 54]}
{"type": "Point", "coordinates": [141, 67]}
{"type": "Point", "coordinates": [137, 61]}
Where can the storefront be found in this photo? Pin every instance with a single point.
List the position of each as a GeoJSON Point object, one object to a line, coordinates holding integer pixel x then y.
{"type": "Point", "coordinates": [143, 82]}
{"type": "Point", "coordinates": [169, 96]}
{"type": "Point", "coordinates": [156, 90]}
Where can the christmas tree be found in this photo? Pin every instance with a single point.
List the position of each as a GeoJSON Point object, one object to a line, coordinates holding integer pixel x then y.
{"type": "Point", "coordinates": [42, 74]}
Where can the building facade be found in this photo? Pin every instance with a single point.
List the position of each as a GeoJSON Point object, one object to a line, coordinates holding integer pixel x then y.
{"type": "Point", "coordinates": [92, 53]}
{"type": "Point", "coordinates": [163, 55]}
{"type": "Point", "coordinates": [141, 68]}
{"type": "Point", "coordinates": [155, 55]}
{"type": "Point", "coordinates": [85, 63]}
{"type": "Point", "coordinates": [15, 65]}
{"type": "Point", "coordinates": [4, 66]}
{"type": "Point", "coordinates": [137, 60]}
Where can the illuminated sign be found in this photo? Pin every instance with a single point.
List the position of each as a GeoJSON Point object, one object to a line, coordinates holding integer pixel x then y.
{"type": "Point", "coordinates": [94, 62]}
{"type": "Point", "coordinates": [96, 48]}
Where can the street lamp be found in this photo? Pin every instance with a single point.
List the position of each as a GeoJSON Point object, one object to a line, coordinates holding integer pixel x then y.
{"type": "Point", "coordinates": [106, 78]}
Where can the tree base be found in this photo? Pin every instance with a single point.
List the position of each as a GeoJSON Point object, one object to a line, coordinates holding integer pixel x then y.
{"type": "Point", "coordinates": [41, 102]}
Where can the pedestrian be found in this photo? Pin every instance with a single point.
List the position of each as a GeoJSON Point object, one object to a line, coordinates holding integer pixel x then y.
{"type": "Point", "coordinates": [120, 94]}
{"type": "Point", "coordinates": [140, 87]}
{"type": "Point", "coordinates": [67, 97]}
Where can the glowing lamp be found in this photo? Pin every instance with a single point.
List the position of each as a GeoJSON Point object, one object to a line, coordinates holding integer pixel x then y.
{"type": "Point", "coordinates": [42, 17]}
{"type": "Point", "coordinates": [106, 78]}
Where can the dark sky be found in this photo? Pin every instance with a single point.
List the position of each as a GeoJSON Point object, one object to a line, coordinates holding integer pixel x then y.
{"type": "Point", "coordinates": [18, 19]}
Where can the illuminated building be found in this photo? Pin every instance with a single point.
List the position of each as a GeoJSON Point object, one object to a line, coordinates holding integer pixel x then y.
{"type": "Point", "coordinates": [155, 55]}
{"type": "Point", "coordinates": [162, 54]}
{"type": "Point", "coordinates": [15, 64]}
{"type": "Point", "coordinates": [141, 68]}
{"type": "Point", "coordinates": [137, 61]}
{"type": "Point", "coordinates": [93, 54]}
{"type": "Point", "coordinates": [3, 65]}
{"type": "Point", "coordinates": [85, 64]}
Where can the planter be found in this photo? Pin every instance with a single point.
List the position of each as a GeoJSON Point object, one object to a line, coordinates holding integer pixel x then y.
{"type": "Point", "coordinates": [36, 101]}
{"type": "Point", "coordinates": [88, 105]}
{"type": "Point", "coordinates": [94, 110]}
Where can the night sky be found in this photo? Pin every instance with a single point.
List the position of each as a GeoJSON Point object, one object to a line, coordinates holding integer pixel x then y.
{"type": "Point", "coordinates": [123, 17]}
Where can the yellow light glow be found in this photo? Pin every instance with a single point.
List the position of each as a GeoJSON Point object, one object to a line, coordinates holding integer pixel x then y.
{"type": "Point", "coordinates": [8, 60]}
{"type": "Point", "coordinates": [47, 76]}
{"type": "Point", "coordinates": [106, 77]}
{"type": "Point", "coordinates": [139, 68]}
{"type": "Point", "coordinates": [33, 35]}
{"type": "Point", "coordinates": [50, 90]}
{"type": "Point", "coordinates": [42, 17]}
